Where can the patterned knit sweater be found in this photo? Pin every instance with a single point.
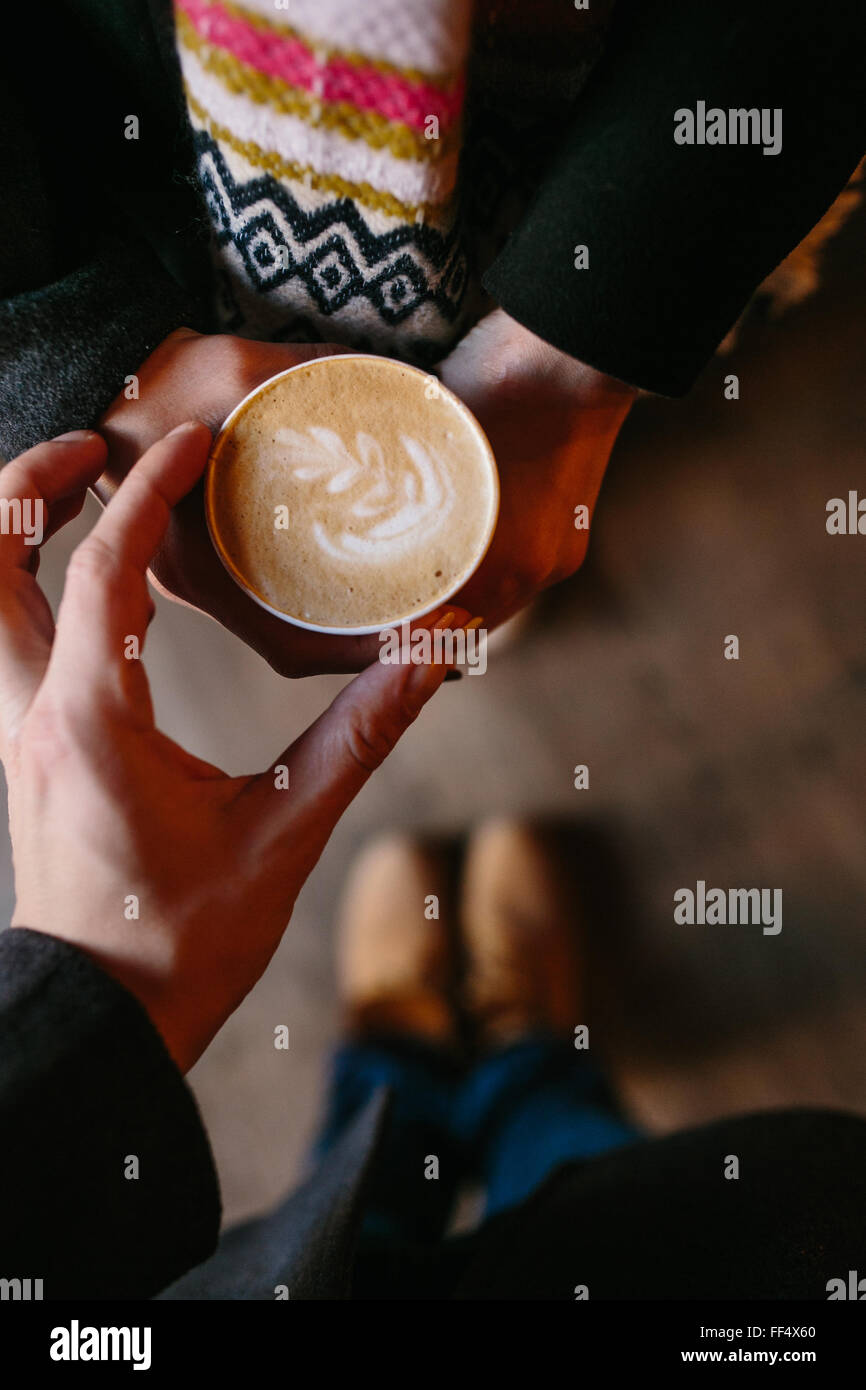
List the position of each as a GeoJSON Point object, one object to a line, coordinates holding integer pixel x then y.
{"type": "Point", "coordinates": [363, 160]}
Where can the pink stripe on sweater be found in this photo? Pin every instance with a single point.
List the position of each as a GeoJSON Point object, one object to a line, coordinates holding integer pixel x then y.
{"type": "Point", "coordinates": [294, 62]}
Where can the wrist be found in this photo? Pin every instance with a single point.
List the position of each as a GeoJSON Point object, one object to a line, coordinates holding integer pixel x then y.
{"type": "Point", "coordinates": [515, 364]}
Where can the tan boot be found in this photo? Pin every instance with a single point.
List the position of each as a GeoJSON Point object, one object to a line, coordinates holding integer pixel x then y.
{"type": "Point", "coordinates": [518, 917]}
{"type": "Point", "coordinates": [395, 963]}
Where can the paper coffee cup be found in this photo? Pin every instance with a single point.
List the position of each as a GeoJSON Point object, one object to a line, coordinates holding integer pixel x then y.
{"type": "Point", "coordinates": [351, 493]}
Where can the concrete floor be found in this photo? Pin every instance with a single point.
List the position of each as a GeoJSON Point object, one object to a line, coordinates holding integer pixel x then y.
{"type": "Point", "coordinates": [748, 773]}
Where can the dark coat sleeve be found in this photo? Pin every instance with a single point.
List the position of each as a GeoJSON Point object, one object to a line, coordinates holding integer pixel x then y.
{"type": "Point", "coordinates": [67, 348]}
{"type": "Point", "coordinates": [86, 1085]}
{"type": "Point", "coordinates": [680, 236]}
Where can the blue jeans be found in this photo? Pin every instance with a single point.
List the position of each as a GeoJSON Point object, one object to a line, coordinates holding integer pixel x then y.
{"type": "Point", "coordinates": [505, 1124]}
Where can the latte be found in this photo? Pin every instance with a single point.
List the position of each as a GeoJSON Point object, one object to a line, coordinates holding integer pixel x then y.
{"type": "Point", "coordinates": [350, 493]}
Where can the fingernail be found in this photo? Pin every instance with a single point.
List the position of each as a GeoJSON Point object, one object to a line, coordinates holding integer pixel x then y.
{"type": "Point", "coordinates": [186, 426]}
{"type": "Point", "coordinates": [453, 617]}
{"type": "Point", "coordinates": [454, 676]}
{"type": "Point", "coordinates": [447, 620]}
{"type": "Point", "coordinates": [75, 437]}
{"type": "Point", "coordinates": [423, 680]}
{"type": "Point", "coordinates": [476, 622]}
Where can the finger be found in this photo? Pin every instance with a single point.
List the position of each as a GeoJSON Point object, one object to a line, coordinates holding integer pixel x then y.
{"type": "Point", "coordinates": [53, 475]}
{"type": "Point", "coordinates": [311, 653]}
{"type": "Point", "coordinates": [106, 606]}
{"type": "Point", "coordinates": [293, 651]}
{"type": "Point", "coordinates": [298, 801]}
{"type": "Point", "coordinates": [36, 482]}
{"type": "Point", "coordinates": [134, 524]}
{"type": "Point", "coordinates": [63, 512]}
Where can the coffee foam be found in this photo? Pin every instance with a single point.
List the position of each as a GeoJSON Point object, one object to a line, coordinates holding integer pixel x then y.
{"type": "Point", "coordinates": [384, 499]}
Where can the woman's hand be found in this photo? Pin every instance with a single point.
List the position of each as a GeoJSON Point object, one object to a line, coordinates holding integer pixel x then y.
{"type": "Point", "coordinates": [191, 376]}
{"type": "Point", "coordinates": [176, 878]}
{"type": "Point", "coordinates": [552, 423]}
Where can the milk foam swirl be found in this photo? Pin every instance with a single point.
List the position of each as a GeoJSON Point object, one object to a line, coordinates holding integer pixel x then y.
{"type": "Point", "coordinates": [391, 509]}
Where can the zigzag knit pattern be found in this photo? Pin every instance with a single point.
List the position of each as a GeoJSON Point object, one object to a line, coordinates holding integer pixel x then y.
{"type": "Point", "coordinates": [330, 258]}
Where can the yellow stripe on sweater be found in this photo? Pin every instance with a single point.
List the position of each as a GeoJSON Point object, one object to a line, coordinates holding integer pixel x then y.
{"type": "Point", "coordinates": [341, 117]}
{"type": "Point", "coordinates": [282, 168]}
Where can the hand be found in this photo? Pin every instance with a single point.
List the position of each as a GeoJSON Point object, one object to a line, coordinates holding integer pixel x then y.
{"type": "Point", "coordinates": [191, 376]}
{"type": "Point", "coordinates": [552, 423]}
{"type": "Point", "coordinates": [176, 878]}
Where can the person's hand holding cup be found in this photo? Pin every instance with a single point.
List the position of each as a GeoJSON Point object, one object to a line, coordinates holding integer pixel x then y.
{"type": "Point", "coordinates": [175, 877]}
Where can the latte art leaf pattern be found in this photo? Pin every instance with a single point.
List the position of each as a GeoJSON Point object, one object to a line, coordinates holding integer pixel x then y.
{"type": "Point", "coordinates": [389, 508]}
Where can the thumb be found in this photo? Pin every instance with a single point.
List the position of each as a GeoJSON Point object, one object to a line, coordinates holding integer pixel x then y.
{"type": "Point", "coordinates": [330, 762]}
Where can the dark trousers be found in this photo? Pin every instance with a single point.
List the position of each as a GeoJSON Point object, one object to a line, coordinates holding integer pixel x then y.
{"type": "Point", "coordinates": [503, 1126]}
